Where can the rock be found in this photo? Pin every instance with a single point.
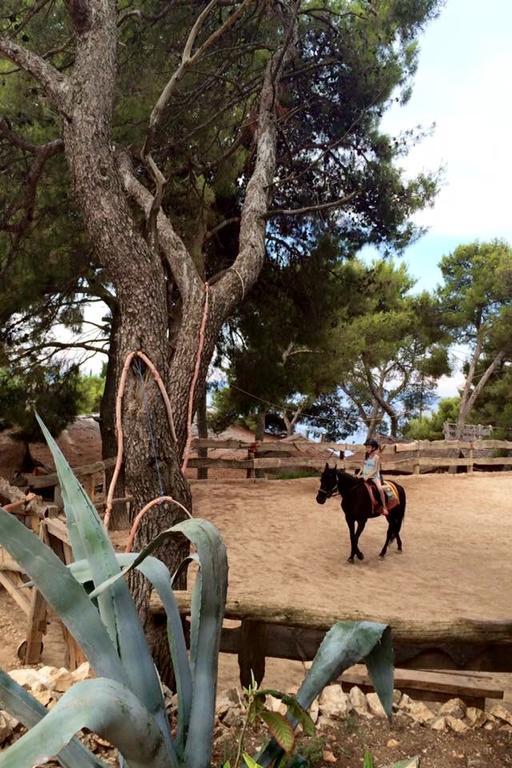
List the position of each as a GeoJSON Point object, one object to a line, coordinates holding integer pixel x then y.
{"type": "Point", "coordinates": [7, 726]}
{"type": "Point", "coordinates": [328, 756]}
{"type": "Point", "coordinates": [397, 696]}
{"type": "Point", "coordinates": [314, 711]}
{"type": "Point", "coordinates": [25, 677]}
{"type": "Point", "coordinates": [334, 702]}
{"type": "Point", "coordinates": [439, 724]}
{"type": "Point", "coordinates": [46, 698]}
{"type": "Point", "coordinates": [63, 681]}
{"type": "Point", "coordinates": [392, 743]}
{"type": "Point", "coordinates": [275, 705]}
{"type": "Point", "coordinates": [411, 762]}
{"type": "Point", "coordinates": [374, 705]}
{"type": "Point", "coordinates": [222, 705]}
{"type": "Point", "coordinates": [83, 672]}
{"type": "Point", "coordinates": [475, 717]}
{"type": "Point", "coordinates": [456, 725]}
{"type": "Point", "coordinates": [501, 713]}
{"type": "Point", "coordinates": [417, 711]}
{"type": "Point", "coordinates": [358, 700]}
{"type": "Point", "coordinates": [323, 723]}
{"type": "Point", "coordinates": [233, 717]}
{"type": "Point", "coordinates": [454, 707]}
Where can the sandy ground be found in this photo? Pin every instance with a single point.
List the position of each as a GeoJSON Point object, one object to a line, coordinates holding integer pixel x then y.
{"type": "Point", "coordinates": [283, 547]}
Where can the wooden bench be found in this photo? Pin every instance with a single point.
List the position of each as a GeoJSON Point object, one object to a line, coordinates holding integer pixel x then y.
{"type": "Point", "coordinates": [432, 685]}
{"type": "Point", "coordinates": [254, 631]}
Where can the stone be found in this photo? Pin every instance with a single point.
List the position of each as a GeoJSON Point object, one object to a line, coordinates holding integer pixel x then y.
{"type": "Point", "coordinates": [358, 700]}
{"type": "Point", "coordinates": [314, 711]}
{"type": "Point", "coordinates": [83, 672]}
{"type": "Point", "coordinates": [275, 705]}
{"type": "Point", "coordinates": [419, 712]}
{"type": "Point", "coordinates": [7, 725]}
{"type": "Point", "coordinates": [25, 677]}
{"type": "Point", "coordinates": [334, 702]}
{"type": "Point", "coordinates": [439, 724]}
{"type": "Point", "coordinates": [63, 681]}
{"type": "Point", "coordinates": [46, 698]}
{"type": "Point", "coordinates": [374, 705]}
{"type": "Point", "coordinates": [454, 707]}
{"type": "Point", "coordinates": [475, 717]}
{"type": "Point", "coordinates": [501, 713]}
{"type": "Point", "coordinates": [392, 743]}
{"type": "Point", "coordinates": [222, 705]}
{"type": "Point", "coordinates": [234, 717]}
{"type": "Point", "coordinates": [456, 725]}
{"type": "Point", "coordinates": [328, 756]}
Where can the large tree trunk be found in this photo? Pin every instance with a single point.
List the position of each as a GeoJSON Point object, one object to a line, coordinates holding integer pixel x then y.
{"type": "Point", "coordinates": [142, 270]}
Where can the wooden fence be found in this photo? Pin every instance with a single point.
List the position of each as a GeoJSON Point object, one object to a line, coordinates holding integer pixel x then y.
{"type": "Point", "coordinates": [414, 457]}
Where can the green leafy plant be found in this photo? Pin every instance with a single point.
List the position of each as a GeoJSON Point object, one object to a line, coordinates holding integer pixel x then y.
{"type": "Point", "coordinates": [124, 703]}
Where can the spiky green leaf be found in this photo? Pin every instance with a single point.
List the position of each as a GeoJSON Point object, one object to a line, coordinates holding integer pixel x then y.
{"type": "Point", "coordinates": [105, 707]}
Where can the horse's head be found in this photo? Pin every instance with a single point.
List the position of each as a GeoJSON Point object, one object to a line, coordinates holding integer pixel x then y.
{"type": "Point", "coordinates": [328, 484]}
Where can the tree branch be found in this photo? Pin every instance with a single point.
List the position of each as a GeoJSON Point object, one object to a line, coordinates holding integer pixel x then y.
{"type": "Point", "coordinates": [55, 84]}
{"type": "Point", "coordinates": [310, 208]}
{"type": "Point", "coordinates": [180, 262]}
{"type": "Point", "coordinates": [41, 154]}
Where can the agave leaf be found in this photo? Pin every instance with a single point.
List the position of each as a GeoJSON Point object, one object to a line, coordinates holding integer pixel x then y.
{"type": "Point", "coordinates": [158, 574]}
{"type": "Point", "coordinates": [63, 593]}
{"type": "Point", "coordinates": [250, 761]}
{"type": "Point", "coordinates": [280, 728]}
{"type": "Point", "coordinates": [379, 663]}
{"type": "Point", "coordinates": [346, 643]}
{"type": "Point", "coordinates": [116, 606]}
{"type": "Point", "coordinates": [29, 711]}
{"type": "Point", "coordinates": [105, 707]}
{"type": "Point", "coordinates": [206, 632]}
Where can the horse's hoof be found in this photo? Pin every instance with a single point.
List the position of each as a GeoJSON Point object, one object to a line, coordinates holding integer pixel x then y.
{"type": "Point", "coordinates": [399, 552]}
{"type": "Point", "coordinates": [381, 556]}
{"type": "Point", "coordinates": [360, 556]}
{"type": "Point", "coordinates": [350, 560]}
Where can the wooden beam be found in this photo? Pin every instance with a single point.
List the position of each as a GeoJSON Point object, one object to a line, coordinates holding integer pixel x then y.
{"type": "Point", "coordinates": [415, 631]}
{"type": "Point", "coordinates": [13, 583]}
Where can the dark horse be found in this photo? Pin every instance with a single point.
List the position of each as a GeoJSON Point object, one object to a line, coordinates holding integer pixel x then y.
{"type": "Point", "coordinates": [357, 506]}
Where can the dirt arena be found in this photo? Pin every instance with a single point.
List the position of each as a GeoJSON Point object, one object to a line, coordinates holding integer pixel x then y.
{"type": "Point", "coordinates": [283, 547]}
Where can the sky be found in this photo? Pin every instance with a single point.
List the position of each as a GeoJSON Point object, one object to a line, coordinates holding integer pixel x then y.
{"type": "Point", "coordinates": [462, 87]}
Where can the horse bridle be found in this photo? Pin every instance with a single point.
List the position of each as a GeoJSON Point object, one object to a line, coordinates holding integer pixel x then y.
{"type": "Point", "coordinates": [329, 494]}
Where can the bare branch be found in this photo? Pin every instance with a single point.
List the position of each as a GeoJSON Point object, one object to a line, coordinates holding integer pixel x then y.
{"type": "Point", "coordinates": [55, 84]}
{"type": "Point", "coordinates": [180, 262]}
{"type": "Point", "coordinates": [187, 60]}
{"type": "Point", "coordinates": [339, 203]}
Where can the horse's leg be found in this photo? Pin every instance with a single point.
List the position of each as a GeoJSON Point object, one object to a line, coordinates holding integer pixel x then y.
{"type": "Point", "coordinates": [360, 528]}
{"type": "Point", "coordinates": [353, 544]}
{"type": "Point", "coordinates": [390, 535]}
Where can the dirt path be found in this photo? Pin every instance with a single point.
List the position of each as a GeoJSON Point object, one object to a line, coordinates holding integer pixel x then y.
{"type": "Point", "coordinates": [283, 547]}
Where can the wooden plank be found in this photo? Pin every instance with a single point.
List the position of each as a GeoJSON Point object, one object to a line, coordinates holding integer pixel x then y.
{"type": "Point", "coordinates": [13, 583]}
{"type": "Point", "coordinates": [57, 527]}
{"type": "Point", "coordinates": [456, 629]}
{"type": "Point", "coordinates": [457, 684]}
{"type": "Point", "coordinates": [49, 481]}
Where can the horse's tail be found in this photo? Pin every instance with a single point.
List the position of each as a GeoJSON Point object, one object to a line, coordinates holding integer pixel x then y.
{"type": "Point", "coordinates": [402, 497]}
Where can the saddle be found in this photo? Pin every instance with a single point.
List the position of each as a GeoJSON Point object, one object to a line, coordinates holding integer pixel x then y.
{"type": "Point", "coordinates": [390, 492]}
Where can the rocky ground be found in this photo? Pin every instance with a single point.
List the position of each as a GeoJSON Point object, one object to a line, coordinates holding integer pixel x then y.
{"type": "Point", "coordinates": [430, 735]}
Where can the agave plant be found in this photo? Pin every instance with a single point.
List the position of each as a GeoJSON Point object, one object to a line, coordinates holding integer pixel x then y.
{"type": "Point", "coordinates": [124, 703]}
